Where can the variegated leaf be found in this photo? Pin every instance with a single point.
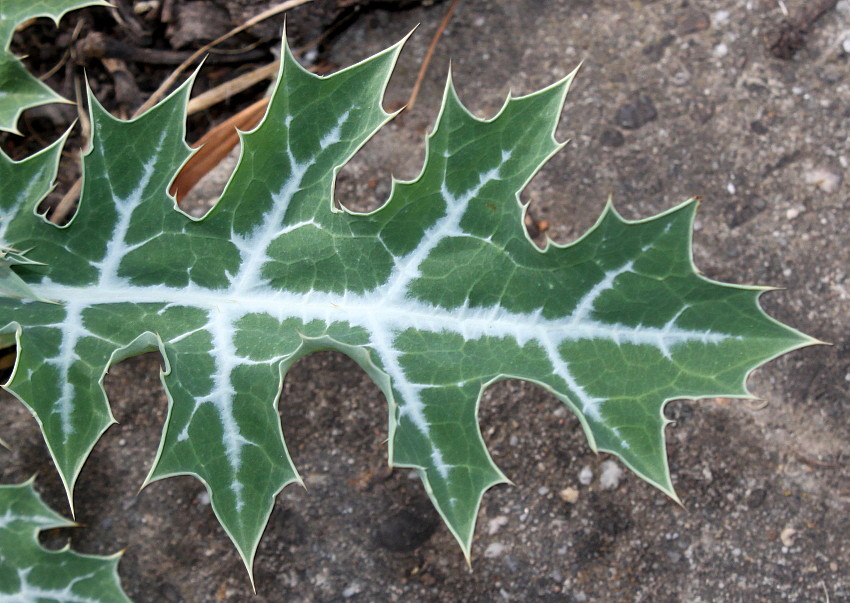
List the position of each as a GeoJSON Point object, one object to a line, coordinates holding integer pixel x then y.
{"type": "Point", "coordinates": [436, 295]}
{"type": "Point", "coordinates": [30, 573]}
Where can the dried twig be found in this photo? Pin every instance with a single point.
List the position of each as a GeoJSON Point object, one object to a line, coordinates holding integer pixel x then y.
{"type": "Point", "coordinates": [66, 204]}
{"type": "Point", "coordinates": [66, 55]}
{"type": "Point", "coordinates": [129, 21]}
{"type": "Point", "coordinates": [64, 207]}
{"type": "Point", "coordinates": [421, 76]}
{"type": "Point", "coordinates": [232, 87]}
{"type": "Point", "coordinates": [126, 90]}
{"type": "Point", "coordinates": [100, 46]}
{"type": "Point", "coordinates": [161, 91]}
{"type": "Point", "coordinates": [757, 404]}
{"type": "Point", "coordinates": [85, 123]}
{"type": "Point", "coordinates": [813, 462]}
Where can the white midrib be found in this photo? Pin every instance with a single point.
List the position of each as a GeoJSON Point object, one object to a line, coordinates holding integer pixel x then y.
{"type": "Point", "coordinates": [8, 518]}
{"type": "Point", "coordinates": [224, 308]}
{"type": "Point", "coordinates": [33, 592]}
{"type": "Point", "coordinates": [363, 310]}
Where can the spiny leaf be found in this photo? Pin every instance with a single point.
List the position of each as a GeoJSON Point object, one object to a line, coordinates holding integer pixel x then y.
{"type": "Point", "coordinates": [11, 285]}
{"type": "Point", "coordinates": [30, 573]}
{"type": "Point", "coordinates": [437, 295]}
{"type": "Point", "coordinates": [23, 181]}
{"type": "Point", "coordinates": [18, 89]}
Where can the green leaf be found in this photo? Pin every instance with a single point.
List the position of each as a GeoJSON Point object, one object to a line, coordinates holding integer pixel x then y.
{"type": "Point", "coordinates": [22, 181]}
{"type": "Point", "coordinates": [11, 285]}
{"type": "Point", "coordinates": [18, 89]}
{"type": "Point", "coordinates": [30, 573]}
{"type": "Point", "coordinates": [437, 295]}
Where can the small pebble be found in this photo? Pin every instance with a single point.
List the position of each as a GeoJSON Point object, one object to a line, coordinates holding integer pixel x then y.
{"type": "Point", "coordinates": [721, 16]}
{"type": "Point", "coordinates": [758, 127]}
{"type": "Point", "coordinates": [787, 536]}
{"type": "Point", "coordinates": [311, 56]}
{"type": "Point", "coordinates": [585, 476]}
{"type": "Point", "coordinates": [731, 188]}
{"type": "Point", "coordinates": [681, 77]}
{"type": "Point", "coordinates": [612, 138]}
{"type": "Point", "coordinates": [611, 475]}
{"type": "Point", "coordinates": [496, 524]}
{"type": "Point", "coordinates": [316, 479]}
{"type": "Point", "coordinates": [351, 590]}
{"type": "Point", "coordinates": [637, 113]}
{"type": "Point", "coordinates": [845, 45]}
{"type": "Point", "coordinates": [792, 213]}
{"type": "Point", "coordinates": [569, 495]}
{"type": "Point", "coordinates": [495, 549]}
{"type": "Point", "coordinates": [826, 180]}
{"type": "Point", "coordinates": [720, 51]}
{"type": "Point", "coordinates": [543, 490]}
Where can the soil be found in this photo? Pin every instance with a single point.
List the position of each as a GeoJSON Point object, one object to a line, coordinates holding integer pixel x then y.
{"type": "Point", "coordinates": [674, 99]}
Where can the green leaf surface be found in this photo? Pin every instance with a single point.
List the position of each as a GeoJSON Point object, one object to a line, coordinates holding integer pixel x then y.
{"type": "Point", "coordinates": [22, 181]}
{"type": "Point", "coordinates": [437, 295]}
{"type": "Point", "coordinates": [30, 573]}
{"type": "Point", "coordinates": [19, 90]}
{"type": "Point", "coordinates": [11, 285]}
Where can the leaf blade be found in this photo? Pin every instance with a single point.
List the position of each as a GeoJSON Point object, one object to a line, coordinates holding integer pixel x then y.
{"type": "Point", "coordinates": [436, 295]}
{"type": "Point", "coordinates": [29, 573]}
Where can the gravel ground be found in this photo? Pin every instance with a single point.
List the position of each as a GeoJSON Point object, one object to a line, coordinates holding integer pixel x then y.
{"type": "Point", "coordinates": [674, 99]}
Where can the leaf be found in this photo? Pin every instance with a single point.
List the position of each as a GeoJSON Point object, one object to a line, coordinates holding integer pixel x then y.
{"type": "Point", "coordinates": [18, 89]}
{"type": "Point", "coordinates": [437, 295]}
{"type": "Point", "coordinates": [30, 573]}
{"type": "Point", "coordinates": [22, 181]}
{"type": "Point", "coordinates": [11, 285]}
